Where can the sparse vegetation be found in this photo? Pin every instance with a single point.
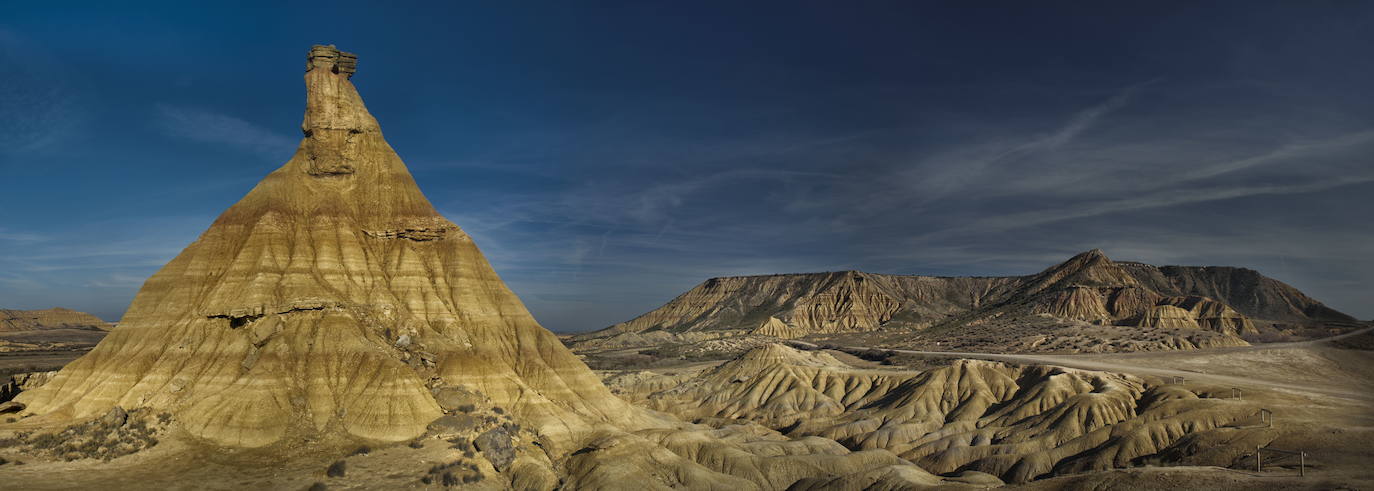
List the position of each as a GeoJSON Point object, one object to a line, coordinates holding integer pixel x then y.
{"type": "Point", "coordinates": [103, 438]}
{"type": "Point", "coordinates": [338, 469]}
{"type": "Point", "coordinates": [461, 443]}
{"type": "Point", "coordinates": [453, 474]}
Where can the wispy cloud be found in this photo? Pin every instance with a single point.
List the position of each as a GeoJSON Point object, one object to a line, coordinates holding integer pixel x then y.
{"type": "Point", "coordinates": [37, 104]}
{"type": "Point", "coordinates": [214, 127]}
{"type": "Point", "coordinates": [17, 236]}
{"type": "Point", "coordinates": [976, 164]}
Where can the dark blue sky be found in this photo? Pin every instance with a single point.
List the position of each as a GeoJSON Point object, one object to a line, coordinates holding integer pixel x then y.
{"type": "Point", "coordinates": [608, 158]}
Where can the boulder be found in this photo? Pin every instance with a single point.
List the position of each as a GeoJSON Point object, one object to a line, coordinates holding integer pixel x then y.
{"type": "Point", "coordinates": [495, 445]}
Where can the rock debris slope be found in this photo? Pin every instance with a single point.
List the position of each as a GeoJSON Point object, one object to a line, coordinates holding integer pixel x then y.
{"type": "Point", "coordinates": [1217, 304]}
{"type": "Point", "coordinates": [332, 297]}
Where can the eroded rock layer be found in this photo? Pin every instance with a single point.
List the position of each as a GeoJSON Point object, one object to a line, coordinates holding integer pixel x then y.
{"type": "Point", "coordinates": [1088, 287]}
{"type": "Point", "coordinates": [1015, 422]}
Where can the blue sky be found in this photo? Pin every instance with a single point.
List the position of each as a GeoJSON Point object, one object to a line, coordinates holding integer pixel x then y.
{"type": "Point", "coordinates": [609, 157]}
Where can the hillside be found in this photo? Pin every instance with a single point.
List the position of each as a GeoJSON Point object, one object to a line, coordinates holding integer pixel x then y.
{"type": "Point", "coordinates": [1017, 423]}
{"type": "Point", "coordinates": [54, 318]}
{"type": "Point", "coordinates": [1167, 307]}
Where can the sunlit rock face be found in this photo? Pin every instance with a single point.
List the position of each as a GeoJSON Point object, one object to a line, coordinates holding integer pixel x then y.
{"type": "Point", "coordinates": [1218, 304]}
{"type": "Point", "coordinates": [332, 298]}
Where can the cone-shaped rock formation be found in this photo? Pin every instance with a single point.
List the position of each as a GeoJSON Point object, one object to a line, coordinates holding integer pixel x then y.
{"type": "Point", "coordinates": [332, 298]}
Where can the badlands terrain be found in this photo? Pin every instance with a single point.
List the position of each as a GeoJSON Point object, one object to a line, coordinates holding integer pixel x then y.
{"type": "Point", "coordinates": [1088, 303]}
{"type": "Point", "coordinates": [332, 331]}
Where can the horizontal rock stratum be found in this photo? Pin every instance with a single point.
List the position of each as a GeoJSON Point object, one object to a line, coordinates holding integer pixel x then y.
{"type": "Point", "coordinates": [1088, 287]}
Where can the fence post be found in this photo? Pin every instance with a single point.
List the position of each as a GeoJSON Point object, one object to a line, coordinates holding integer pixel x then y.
{"type": "Point", "coordinates": [1302, 464]}
{"type": "Point", "coordinates": [1258, 466]}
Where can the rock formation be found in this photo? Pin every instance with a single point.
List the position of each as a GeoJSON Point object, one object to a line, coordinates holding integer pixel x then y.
{"type": "Point", "coordinates": [1015, 422]}
{"type": "Point", "coordinates": [1088, 287]}
{"type": "Point", "coordinates": [54, 318]}
{"type": "Point", "coordinates": [332, 307]}
{"type": "Point", "coordinates": [331, 298]}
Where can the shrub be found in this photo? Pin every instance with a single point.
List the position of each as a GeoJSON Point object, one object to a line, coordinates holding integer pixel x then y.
{"type": "Point", "coordinates": [337, 469]}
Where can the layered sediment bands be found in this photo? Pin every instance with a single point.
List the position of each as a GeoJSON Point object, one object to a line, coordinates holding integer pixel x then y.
{"type": "Point", "coordinates": [54, 318]}
{"type": "Point", "coordinates": [1247, 291]}
{"type": "Point", "coordinates": [1076, 302]}
{"type": "Point", "coordinates": [1213, 315]}
{"type": "Point", "coordinates": [1091, 268]}
{"type": "Point", "coordinates": [811, 303]}
{"type": "Point", "coordinates": [1088, 287]}
{"type": "Point", "coordinates": [735, 456]}
{"type": "Point", "coordinates": [1018, 423]}
{"type": "Point", "coordinates": [1167, 316]}
{"type": "Point", "coordinates": [330, 298]}
{"type": "Point", "coordinates": [774, 327]}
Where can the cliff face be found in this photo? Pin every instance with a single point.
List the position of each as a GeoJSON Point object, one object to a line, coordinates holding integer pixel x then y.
{"type": "Point", "coordinates": [1246, 290]}
{"type": "Point", "coordinates": [1088, 287]}
{"type": "Point", "coordinates": [331, 298]}
{"type": "Point", "coordinates": [813, 303]}
{"type": "Point", "coordinates": [54, 318]}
